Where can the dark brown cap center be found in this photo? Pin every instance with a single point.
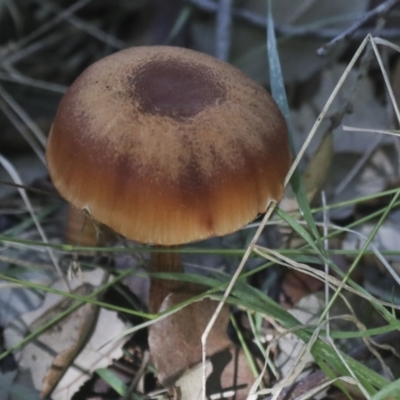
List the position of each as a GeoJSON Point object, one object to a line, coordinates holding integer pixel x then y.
{"type": "Point", "coordinates": [175, 89]}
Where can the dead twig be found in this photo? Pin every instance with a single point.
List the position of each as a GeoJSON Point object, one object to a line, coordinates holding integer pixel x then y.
{"type": "Point", "coordinates": [224, 22]}
{"type": "Point", "coordinates": [298, 31]}
{"type": "Point", "coordinates": [378, 11]}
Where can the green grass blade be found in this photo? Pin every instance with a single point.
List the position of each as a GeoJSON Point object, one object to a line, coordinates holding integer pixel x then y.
{"type": "Point", "coordinates": [257, 301]}
{"type": "Point", "coordinates": [391, 391]}
{"type": "Point", "coordinates": [180, 22]}
{"type": "Point", "coordinates": [113, 380]}
{"type": "Point", "coordinates": [279, 94]}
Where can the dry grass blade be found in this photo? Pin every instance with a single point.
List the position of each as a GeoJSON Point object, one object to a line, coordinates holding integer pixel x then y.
{"type": "Point", "coordinates": [39, 135]}
{"type": "Point", "coordinates": [22, 129]}
{"type": "Point", "coordinates": [69, 16]}
{"type": "Point", "coordinates": [15, 177]}
{"type": "Point", "coordinates": [20, 63]}
{"type": "Point", "coordinates": [327, 105]}
{"type": "Point", "coordinates": [380, 10]}
{"type": "Point", "coordinates": [14, 76]}
{"type": "Point", "coordinates": [235, 277]}
{"type": "Point", "coordinates": [383, 132]}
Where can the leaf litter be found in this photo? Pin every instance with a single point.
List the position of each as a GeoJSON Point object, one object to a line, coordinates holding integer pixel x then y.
{"type": "Point", "coordinates": [370, 183]}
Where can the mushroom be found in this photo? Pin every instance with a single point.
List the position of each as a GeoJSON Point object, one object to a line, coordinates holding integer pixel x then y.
{"type": "Point", "coordinates": [167, 146]}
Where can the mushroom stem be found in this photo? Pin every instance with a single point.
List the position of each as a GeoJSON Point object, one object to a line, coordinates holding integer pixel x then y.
{"type": "Point", "coordinates": [160, 288]}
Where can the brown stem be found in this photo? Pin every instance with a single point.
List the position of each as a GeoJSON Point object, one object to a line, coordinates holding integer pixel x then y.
{"type": "Point", "coordinates": [160, 288]}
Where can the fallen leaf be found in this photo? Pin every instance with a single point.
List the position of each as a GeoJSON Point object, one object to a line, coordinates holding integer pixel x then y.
{"type": "Point", "coordinates": [232, 376]}
{"type": "Point", "coordinates": [367, 112]}
{"type": "Point", "coordinates": [317, 169]}
{"type": "Point", "coordinates": [315, 174]}
{"type": "Point", "coordinates": [307, 312]}
{"type": "Point", "coordinates": [298, 55]}
{"type": "Point", "coordinates": [175, 345]}
{"type": "Point", "coordinates": [65, 338]}
{"type": "Point", "coordinates": [175, 341]}
{"type": "Point", "coordinates": [50, 361]}
{"type": "Point", "coordinates": [297, 285]}
{"type": "Point", "coordinates": [99, 352]}
{"type": "Point", "coordinates": [189, 385]}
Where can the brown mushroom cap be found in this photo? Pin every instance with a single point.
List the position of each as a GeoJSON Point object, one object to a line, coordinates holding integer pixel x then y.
{"type": "Point", "coordinates": [167, 145]}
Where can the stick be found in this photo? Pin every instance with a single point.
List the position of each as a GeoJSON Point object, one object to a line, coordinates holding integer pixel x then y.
{"type": "Point", "coordinates": [378, 11]}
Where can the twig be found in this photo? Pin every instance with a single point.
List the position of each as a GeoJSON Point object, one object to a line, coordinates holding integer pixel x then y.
{"type": "Point", "coordinates": [139, 375]}
{"type": "Point", "coordinates": [378, 11]}
{"type": "Point", "coordinates": [283, 30]}
{"type": "Point", "coordinates": [287, 30]}
{"type": "Point", "coordinates": [224, 22]}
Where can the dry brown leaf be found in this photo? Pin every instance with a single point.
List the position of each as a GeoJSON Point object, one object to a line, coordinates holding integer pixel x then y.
{"type": "Point", "coordinates": [298, 55]}
{"type": "Point", "coordinates": [307, 312]}
{"type": "Point", "coordinates": [228, 377]}
{"type": "Point", "coordinates": [175, 345]}
{"type": "Point", "coordinates": [58, 346]}
{"type": "Point", "coordinates": [232, 372]}
{"type": "Point", "coordinates": [189, 385]}
{"type": "Point", "coordinates": [99, 352]}
{"type": "Point", "coordinates": [297, 285]}
{"type": "Point", "coordinates": [175, 341]}
{"type": "Point", "coordinates": [367, 112]}
{"type": "Point", "coordinates": [38, 356]}
{"type": "Point", "coordinates": [317, 169]}
{"type": "Point", "coordinates": [315, 174]}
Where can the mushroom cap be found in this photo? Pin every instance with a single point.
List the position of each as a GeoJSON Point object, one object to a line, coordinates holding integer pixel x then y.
{"type": "Point", "coordinates": [166, 145]}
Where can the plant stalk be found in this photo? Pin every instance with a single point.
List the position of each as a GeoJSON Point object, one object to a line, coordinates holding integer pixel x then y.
{"type": "Point", "coordinates": [160, 288]}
